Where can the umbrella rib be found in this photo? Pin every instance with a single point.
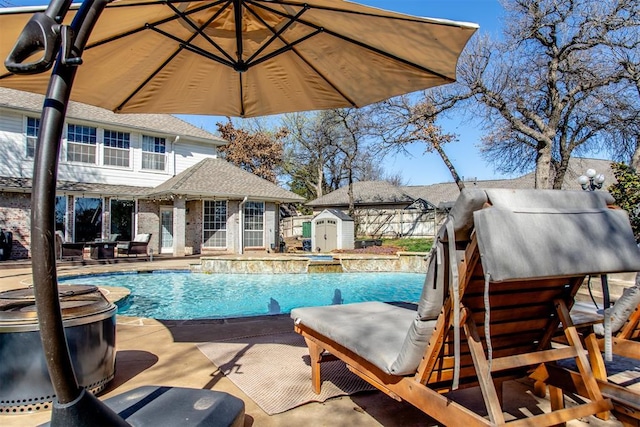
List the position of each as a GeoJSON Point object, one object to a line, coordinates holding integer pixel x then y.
{"type": "Point", "coordinates": [356, 42]}
{"type": "Point", "coordinates": [276, 34]}
{"type": "Point", "coordinates": [237, 9]}
{"type": "Point", "coordinates": [288, 47]}
{"type": "Point", "coordinates": [146, 26]}
{"type": "Point", "coordinates": [202, 33]}
{"type": "Point", "coordinates": [195, 49]}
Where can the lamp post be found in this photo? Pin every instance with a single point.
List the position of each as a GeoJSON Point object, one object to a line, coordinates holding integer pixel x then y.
{"type": "Point", "coordinates": [591, 180]}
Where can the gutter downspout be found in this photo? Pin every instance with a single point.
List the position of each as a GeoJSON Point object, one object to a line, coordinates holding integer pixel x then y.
{"type": "Point", "coordinates": [241, 224]}
{"type": "Point", "coordinates": [173, 152]}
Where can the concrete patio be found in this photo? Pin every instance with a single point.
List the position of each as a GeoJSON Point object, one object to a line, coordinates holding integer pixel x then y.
{"type": "Point", "coordinates": [151, 352]}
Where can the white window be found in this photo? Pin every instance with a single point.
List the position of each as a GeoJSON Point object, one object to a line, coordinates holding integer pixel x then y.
{"type": "Point", "coordinates": [81, 144]}
{"type": "Point", "coordinates": [214, 224]}
{"type": "Point", "coordinates": [33, 126]}
{"type": "Point", "coordinates": [116, 148]}
{"type": "Point", "coordinates": [254, 224]}
{"type": "Point", "coordinates": [153, 153]}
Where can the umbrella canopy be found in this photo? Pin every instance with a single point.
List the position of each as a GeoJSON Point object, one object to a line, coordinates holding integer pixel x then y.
{"type": "Point", "coordinates": [249, 57]}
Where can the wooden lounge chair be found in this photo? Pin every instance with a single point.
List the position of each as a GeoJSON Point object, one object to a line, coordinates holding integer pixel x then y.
{"type": "Point", "coordinates": [68, 250]}
{"type": "Point", "coordinates": [137, 246]}
{"type": "Point", "coordinates": [502, 276]}
{"type": "Point", "coordinates": [625, 327]}
{"type": "Point", "coordinates": [588, 319]}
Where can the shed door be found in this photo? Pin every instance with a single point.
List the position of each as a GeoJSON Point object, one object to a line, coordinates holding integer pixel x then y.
{"type": "Point", "coordinates": [326, 235]}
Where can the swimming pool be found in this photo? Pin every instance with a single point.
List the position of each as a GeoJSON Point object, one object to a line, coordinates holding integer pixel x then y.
{"type": "Point", "coordinates": [180, 295]}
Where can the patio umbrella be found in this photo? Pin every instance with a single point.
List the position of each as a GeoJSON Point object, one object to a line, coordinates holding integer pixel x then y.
{"type": "Point", "coordinates": [250, 58]}
{"type": "Point", "coordinates": [218, 57]}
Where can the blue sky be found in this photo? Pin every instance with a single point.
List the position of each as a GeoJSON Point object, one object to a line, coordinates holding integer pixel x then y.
{"type": "Point", "coordinates": [418, 168]}
{"type": "Point", "coordinates": [421, 168]}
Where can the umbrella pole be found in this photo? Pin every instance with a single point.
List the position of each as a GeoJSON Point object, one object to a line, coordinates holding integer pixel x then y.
{"type": "Point", "coordinates": [74, 406]}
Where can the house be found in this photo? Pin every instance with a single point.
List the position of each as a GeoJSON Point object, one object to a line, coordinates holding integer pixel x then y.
{"type": "Point", "coordinates": [128, 174]}
{"type": "Point", "coordinates": [384, 210]}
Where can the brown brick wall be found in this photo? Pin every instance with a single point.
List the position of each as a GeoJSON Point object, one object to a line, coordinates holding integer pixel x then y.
{"type": "Point", "coordinates": [15, 211]}
{"type": "Point", "coordinates": [149, 222]}
{"type": "Point", "coordinates": [193, 227]}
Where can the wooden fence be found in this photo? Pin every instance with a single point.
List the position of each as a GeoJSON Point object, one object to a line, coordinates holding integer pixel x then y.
{"type": "Point", "coordinates": [388, 223]}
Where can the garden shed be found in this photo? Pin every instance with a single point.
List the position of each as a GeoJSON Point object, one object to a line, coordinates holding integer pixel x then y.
{"type": "Point", "coordinates": [332, 229]}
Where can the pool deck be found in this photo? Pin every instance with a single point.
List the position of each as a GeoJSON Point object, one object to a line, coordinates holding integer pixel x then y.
{"type": "Point", "coordinates": [151, 352]}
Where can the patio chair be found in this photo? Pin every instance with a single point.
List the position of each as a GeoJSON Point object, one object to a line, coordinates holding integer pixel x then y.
{"type": "Point", "coordinates": [625, 322]}
{"type": "Point", "coordinates": [66, 250]}
{"type": "Point", "coordinates": [504, 271]}
{"type": "Point", "coordinates": [137, 246]}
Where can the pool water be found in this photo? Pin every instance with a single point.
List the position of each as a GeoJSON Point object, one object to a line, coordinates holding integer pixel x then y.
{"type": "Point", "coordinates": [184, 295]}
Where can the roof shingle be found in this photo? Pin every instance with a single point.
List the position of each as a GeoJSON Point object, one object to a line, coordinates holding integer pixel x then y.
{"type": "Point", "coordinates": [162, 123]}
{"type": "Point", "coordinates": [438, 195]}
{"type": "Point", "coordinates": [364, 193]}
{"type": "Point", "coordinates": [215, 177]}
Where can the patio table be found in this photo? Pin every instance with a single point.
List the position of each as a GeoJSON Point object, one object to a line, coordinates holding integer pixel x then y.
{"type": "Point", "coordinates": [102, 250]}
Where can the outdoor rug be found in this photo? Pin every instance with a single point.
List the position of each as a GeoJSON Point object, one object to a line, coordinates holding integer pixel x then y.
{"type": "Point", "coordinates": [274, 371]}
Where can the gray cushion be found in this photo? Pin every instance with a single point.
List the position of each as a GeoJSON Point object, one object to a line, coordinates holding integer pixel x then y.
{"type": "Point", "coordinates": [469, 201]}
{"type": "Point", "coordinates": [548, 242]}
{"type": "Point", "coordinates": [554, 199]}
{"type": "Point", "coordinates": [432, 296]}
{"type": "Point", "coordinates": [373, 330]}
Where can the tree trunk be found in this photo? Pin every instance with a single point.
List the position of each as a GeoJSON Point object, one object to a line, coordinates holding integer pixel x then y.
{"type": "Point", "coordinates": [320, 177]}
{"type": "Point", "coordinates": [450, 166]}
{"type": "Point", "coordinates": [352, 210]}
{"type": "Point", "coordinates": [543, 166]}
{"type": "Point", "coordinates": [635, 157]}
{"type": "Point", "coordinates": [560, 172]}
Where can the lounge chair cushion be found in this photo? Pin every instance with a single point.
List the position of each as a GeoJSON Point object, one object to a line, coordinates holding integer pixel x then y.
{"type": "Point", "coordinates": [432, 296]}
{"type": "Point", "coordinates": [469, 201]}
{"type": "Point", "coordinates": [518, 236]}
{"type": "Point", "coordinates": [518, 244]}
{"type": "Point", "coordinates": [142, 237]}
{"type": "Point", "coordinates": [375, 331]}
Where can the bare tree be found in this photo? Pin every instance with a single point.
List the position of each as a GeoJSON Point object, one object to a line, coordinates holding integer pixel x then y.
{"type": "Point", "coordinates": [328, 149]}
{"type": "Point", "coordinates": [353, 129]}
{"type": "Point", "coordinates": [625, 50]}
{"type": "Point", "coordinates": [308, 149]}
{"type": "Point", "coordinates": [542, 89]}
{"type": "Point", "coordinates": [409, 119]}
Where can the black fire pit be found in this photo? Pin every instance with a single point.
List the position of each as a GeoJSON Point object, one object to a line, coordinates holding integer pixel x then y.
{"type": "Point", "coordinates": [89, 322]}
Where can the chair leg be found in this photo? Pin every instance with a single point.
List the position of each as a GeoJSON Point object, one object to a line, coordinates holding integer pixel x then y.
{"type": "Point", "coordinates": [597, 364]}
{"type": "Point", "coordinates": [582, 361]}
{"type": "Point", "coordinates": [492, 398]}
{"type": "Point", "coordinates": [539, 388]}
{"type": "Point", "coordinates": [557, 400]}
{"type": "Point", "coordinates": [315, 354]}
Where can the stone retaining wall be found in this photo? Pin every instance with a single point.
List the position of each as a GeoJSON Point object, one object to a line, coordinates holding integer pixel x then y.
{"type": "Point", "coordinates": [407, 262]}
